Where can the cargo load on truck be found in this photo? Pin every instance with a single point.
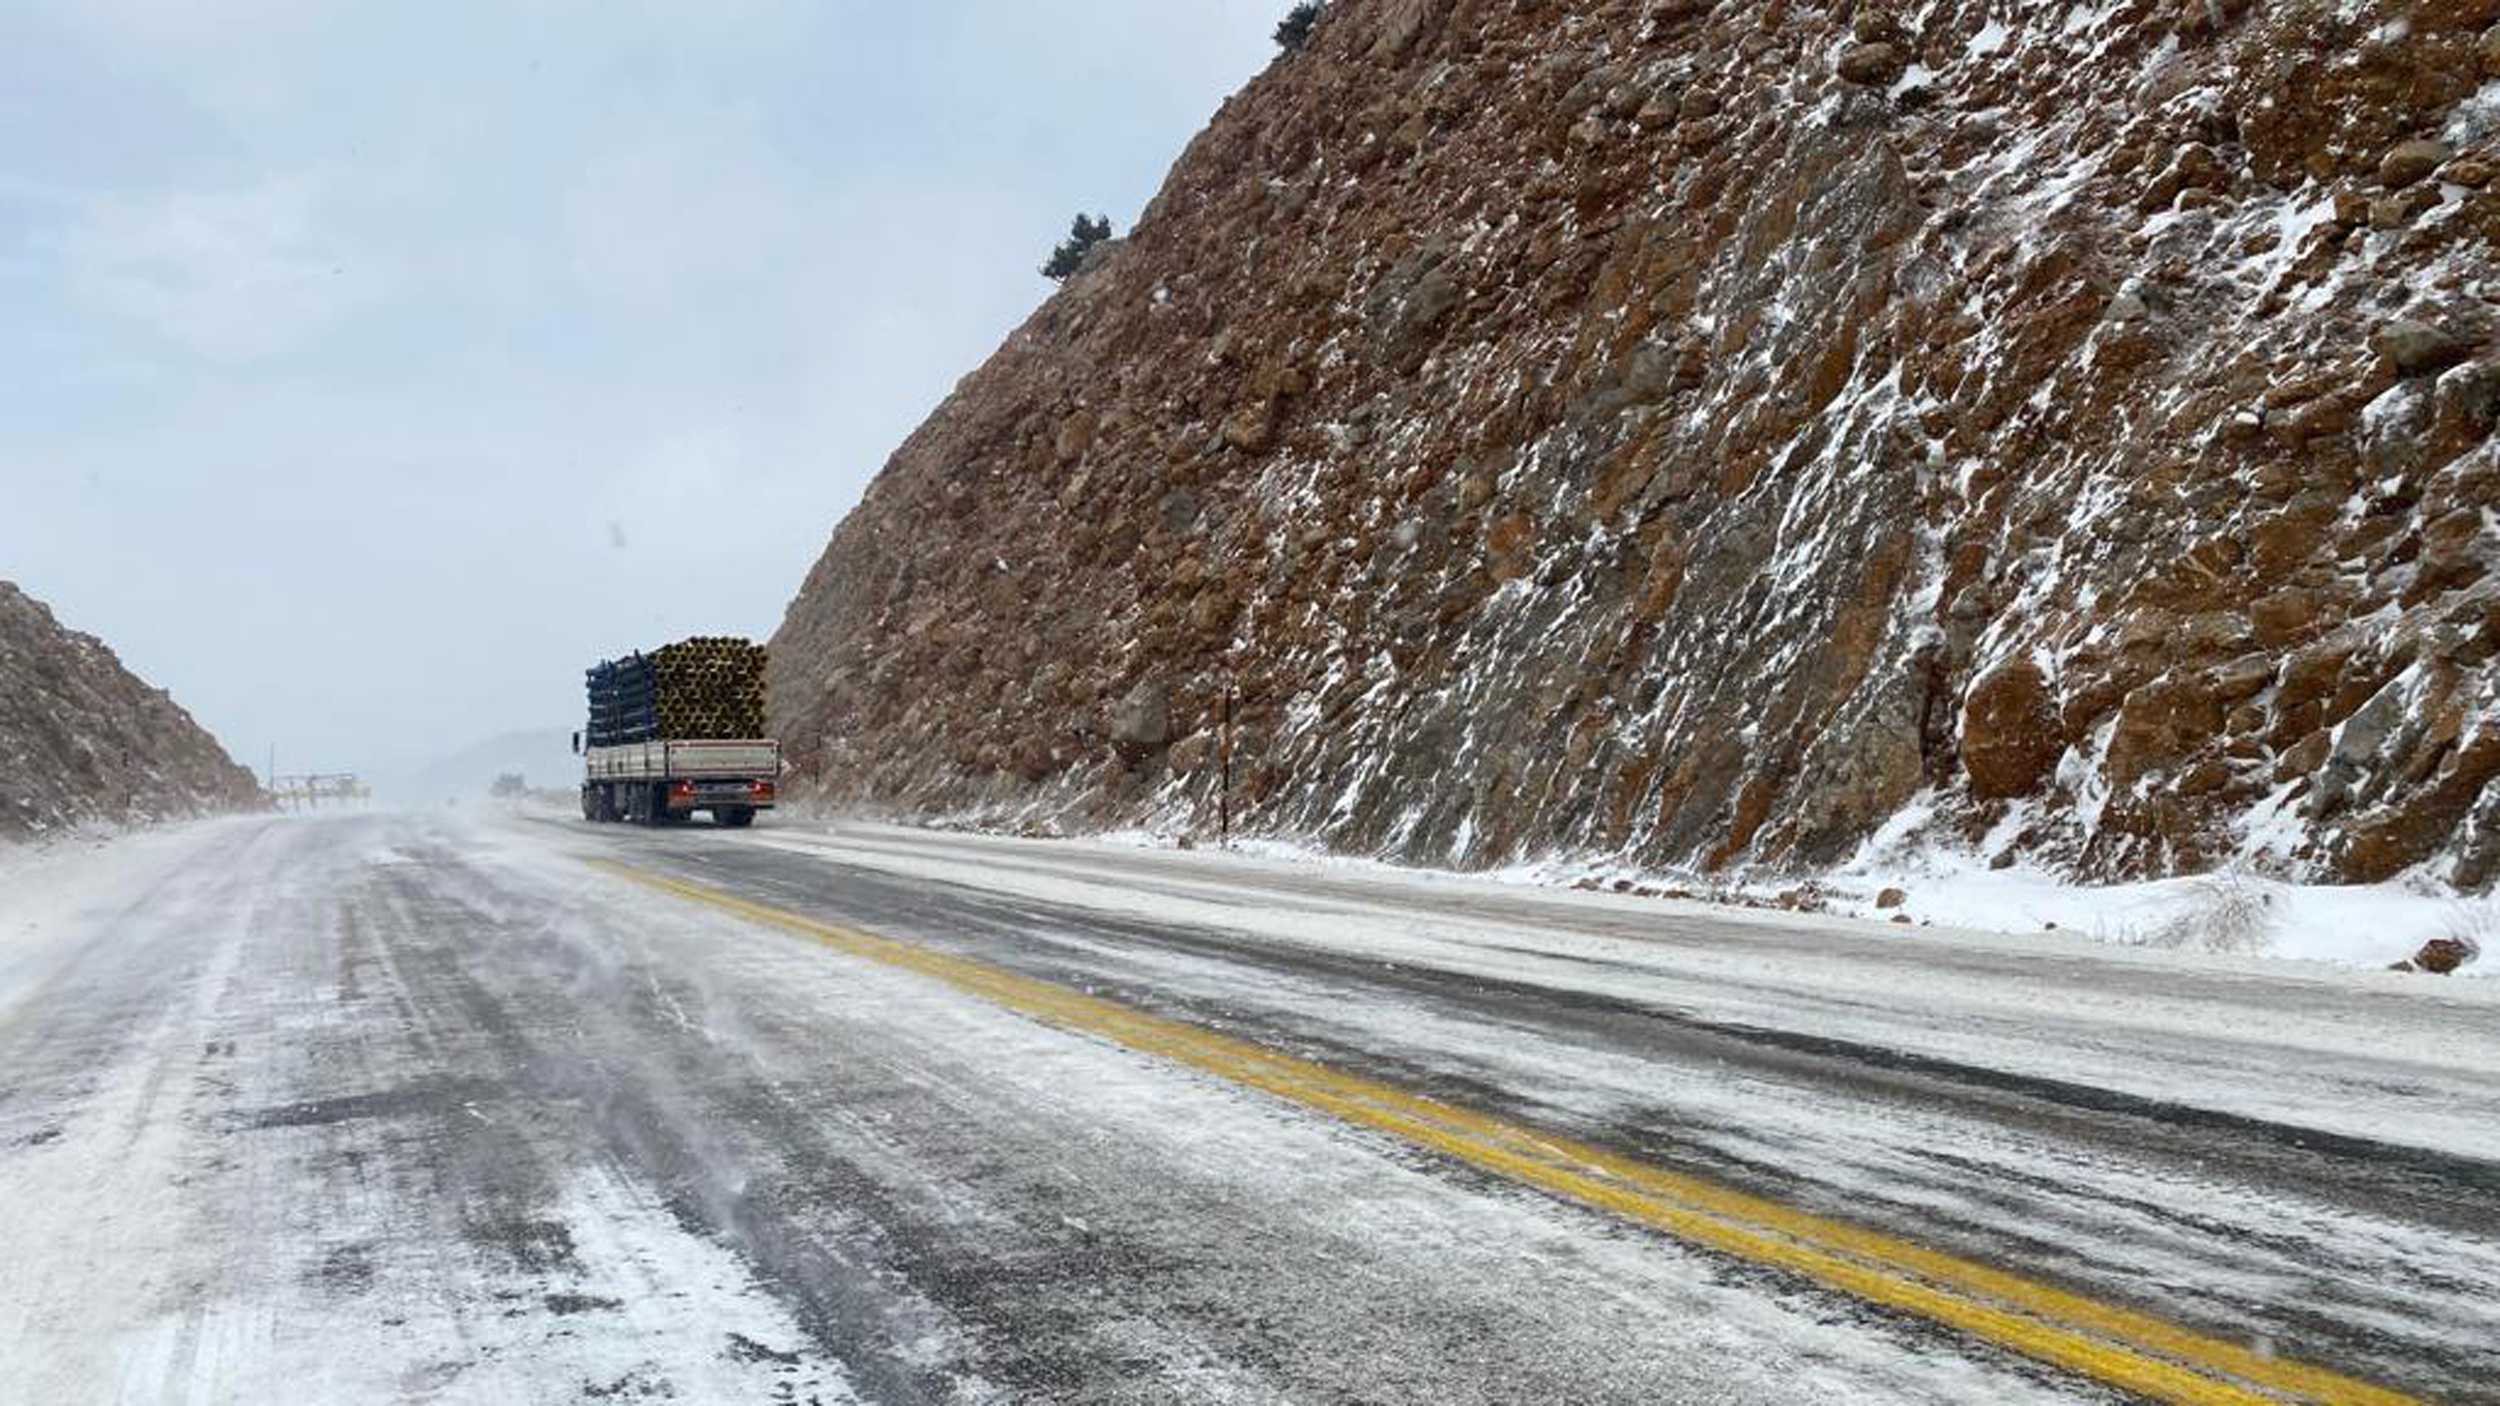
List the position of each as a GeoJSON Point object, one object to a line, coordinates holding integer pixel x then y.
{"type": "Point", "coordinates": [704, 688]}
{"type": "Point", "coordinates": [679, 730]}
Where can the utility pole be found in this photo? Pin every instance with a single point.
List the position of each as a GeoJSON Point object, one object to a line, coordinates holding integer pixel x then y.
{"type": "Point", "coordinates": [1224, 791]}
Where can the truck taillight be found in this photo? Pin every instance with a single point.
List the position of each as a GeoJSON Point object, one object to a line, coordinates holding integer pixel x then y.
{"type": "Point", "coordinates": [761, 790]}
{"type": "Point", "coordinates": [682, 788]}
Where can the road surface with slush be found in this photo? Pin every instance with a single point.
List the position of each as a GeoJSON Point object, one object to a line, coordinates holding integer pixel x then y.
{"type": "Point", "coordinates": [408, 1108]}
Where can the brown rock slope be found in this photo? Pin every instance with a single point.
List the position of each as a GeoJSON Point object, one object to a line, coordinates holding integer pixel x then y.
{"type": "Point", "coordinates": [82, 740]}
{"type": "Point", "coordinates": [1705, 433]}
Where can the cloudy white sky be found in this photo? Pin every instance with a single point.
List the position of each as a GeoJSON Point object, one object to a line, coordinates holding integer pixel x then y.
{"type": "Point", "coordinates": [365, 370]}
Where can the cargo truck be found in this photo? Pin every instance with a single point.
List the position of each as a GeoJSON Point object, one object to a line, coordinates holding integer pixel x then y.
{"type": "Point", "coordinates": [676, 731]}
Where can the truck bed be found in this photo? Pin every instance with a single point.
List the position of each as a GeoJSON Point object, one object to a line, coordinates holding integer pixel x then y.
{"type": "Point", "coordinates": [670, 761]}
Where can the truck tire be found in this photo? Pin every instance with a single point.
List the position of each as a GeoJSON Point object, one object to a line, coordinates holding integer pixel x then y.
{"type": "Point", "coordinates": [655, 804]}
{"type": "Point", "coordinates": [733, 817]}
{"type": "Point", "coordinates": [590, 804]}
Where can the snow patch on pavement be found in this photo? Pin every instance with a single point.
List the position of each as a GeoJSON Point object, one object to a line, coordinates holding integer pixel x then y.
{"type": "Point", "coordinates": [54, 894]}
{"type": "Point", "coordinates": [2380, 1055]}
{"type": "Point", "coordinates": [199, 1213]}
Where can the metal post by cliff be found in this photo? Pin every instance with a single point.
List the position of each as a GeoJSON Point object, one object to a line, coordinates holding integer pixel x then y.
{"type": "Point", "coordinates": [1224, 786]}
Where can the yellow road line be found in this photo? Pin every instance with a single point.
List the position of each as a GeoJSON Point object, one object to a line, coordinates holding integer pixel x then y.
{"type": "Point", "coordinates": [2103, 1341]}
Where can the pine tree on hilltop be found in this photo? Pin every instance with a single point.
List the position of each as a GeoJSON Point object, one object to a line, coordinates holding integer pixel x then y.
{"type": "Point", "coordinates": [1296, 26]}
{"type": "Point", "coordinates": [1065, 260]}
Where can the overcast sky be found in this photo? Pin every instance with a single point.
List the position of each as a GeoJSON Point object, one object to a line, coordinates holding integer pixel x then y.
{"type": "Point", "coordinates": [366, 370]}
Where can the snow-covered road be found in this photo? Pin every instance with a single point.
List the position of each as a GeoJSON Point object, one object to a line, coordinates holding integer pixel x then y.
{"type": "Point", "coordinates": [380, 1108]}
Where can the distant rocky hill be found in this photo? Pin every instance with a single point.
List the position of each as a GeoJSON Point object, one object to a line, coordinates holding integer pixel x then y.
{"type": "Point", "coordinates": [1714, 435]}
{"type": "Point", "coordinates": [83, 740]}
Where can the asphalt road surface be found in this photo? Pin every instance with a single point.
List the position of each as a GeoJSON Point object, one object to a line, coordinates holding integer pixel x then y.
{"type": "Point", "coordinates": [424, 1109]}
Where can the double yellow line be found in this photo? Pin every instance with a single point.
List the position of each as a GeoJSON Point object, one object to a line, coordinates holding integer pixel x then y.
{"type": "Point", "coordinates": [2102, 1341]}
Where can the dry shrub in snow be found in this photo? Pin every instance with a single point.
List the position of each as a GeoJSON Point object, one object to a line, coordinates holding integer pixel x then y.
{"type": "Point", "coordinates": [2225, 911]}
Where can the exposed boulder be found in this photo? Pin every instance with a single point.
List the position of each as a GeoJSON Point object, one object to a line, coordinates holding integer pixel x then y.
{"type": "Point", "coordinates": [2416, 348]}
{"type": "Point", "coordinates": [2407, 162]}
{"type": "Point", "coordinates": [1191, 753]}
{"type": "Point", "coordinates": [1252, 428]}
{"type": "Point", "coordinates": [2442, 955]}
{"type": "Point", "coordinates": [1870, 65]}
{"type": "Point", "coordinates": [2010, 738]}
{"type": "Point", "coordinates": [1143, 720]}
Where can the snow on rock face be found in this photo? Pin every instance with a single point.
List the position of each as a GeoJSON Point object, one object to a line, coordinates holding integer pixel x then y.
{"type": "Point", "coordinates": [1638, 428]}
{"type": "Point", "coordinates": [82, 740]}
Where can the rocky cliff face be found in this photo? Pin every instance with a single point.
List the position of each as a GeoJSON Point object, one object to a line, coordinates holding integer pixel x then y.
{"type": "Point", "coordinates": [1715, 435]}
{"type": "Point", "coordinates": [81, 739]}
